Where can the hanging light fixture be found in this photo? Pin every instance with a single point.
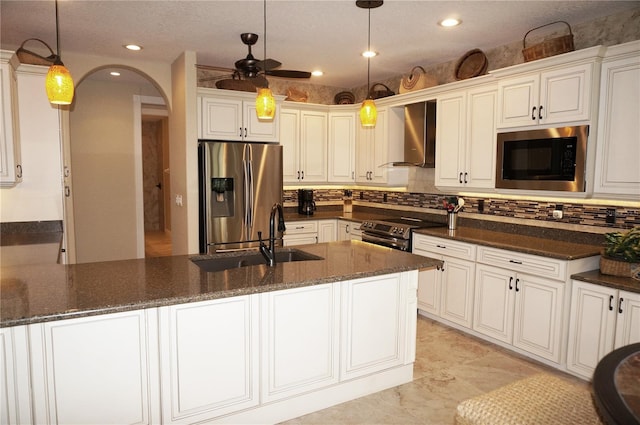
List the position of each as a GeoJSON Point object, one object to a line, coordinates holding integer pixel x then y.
{"type": "Point", "coordinates": [265, 103]}
{"type": "Point", "coordinates": [368, 112]}
{"type": "Point", "coordinates": [59, 83]}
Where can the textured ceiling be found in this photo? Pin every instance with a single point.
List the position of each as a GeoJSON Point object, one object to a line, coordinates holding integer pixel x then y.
{"type": "Point", "coordinates": [302, 34]}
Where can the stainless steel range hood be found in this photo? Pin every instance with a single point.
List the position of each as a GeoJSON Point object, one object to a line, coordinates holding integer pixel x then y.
{"type": "Point", "coordinates": [419, 135]}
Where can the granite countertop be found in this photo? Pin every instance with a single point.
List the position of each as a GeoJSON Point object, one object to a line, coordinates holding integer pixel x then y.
{"type": "Point", "coordinates": [617, 282]}
{"type": "Point", "coordinates": [40, 293]}
{"type": "Point", "coordinates": [545, 247]}
{"type": "Point", "coordinates": [357, 216]}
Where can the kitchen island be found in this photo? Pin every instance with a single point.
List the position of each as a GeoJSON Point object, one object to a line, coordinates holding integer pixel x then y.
{"type": "Point", "coordinates": [160, 340]}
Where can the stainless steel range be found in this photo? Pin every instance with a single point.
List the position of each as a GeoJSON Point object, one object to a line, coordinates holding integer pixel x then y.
{"type": "Point", "coordinates": [394, 232]}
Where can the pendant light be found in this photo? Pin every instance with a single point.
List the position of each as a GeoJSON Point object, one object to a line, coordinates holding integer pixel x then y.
{"type": "Point", "coordinates": [368, 112]}
{"type": "Point", "coordinates": [59, 83]}
{"type": "Point", "coordinates": [265, 103]}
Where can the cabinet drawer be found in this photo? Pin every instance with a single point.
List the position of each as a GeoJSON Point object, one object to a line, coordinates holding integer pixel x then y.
{"type": "Point", "coordinates": [447, 247]}
{"type": "Point", "coordinates": [525, 263]}
{"type": "Point", "coordinates": [301, 227]}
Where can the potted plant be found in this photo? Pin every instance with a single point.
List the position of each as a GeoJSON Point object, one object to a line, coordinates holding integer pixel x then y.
{"type": "Point", "coordinates": [621, 255]}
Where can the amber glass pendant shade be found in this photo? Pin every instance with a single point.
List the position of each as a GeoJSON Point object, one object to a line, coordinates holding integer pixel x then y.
{"type": "Point", "coordinates": [265, 104]}
{"type": "Point", "coordinates": [59, 85]}
{"type": "Point", "coordinates": [368, 113]}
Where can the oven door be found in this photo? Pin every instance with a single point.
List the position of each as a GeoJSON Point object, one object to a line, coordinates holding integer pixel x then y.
{"type": "Point", "coordinates": [388, 241]}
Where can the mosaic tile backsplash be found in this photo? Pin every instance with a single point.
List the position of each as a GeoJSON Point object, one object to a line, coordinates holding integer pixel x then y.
{"type": "Point", "coordinates": [573, 213]}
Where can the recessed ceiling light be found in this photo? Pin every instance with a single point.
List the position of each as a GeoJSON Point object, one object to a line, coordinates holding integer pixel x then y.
{"type": "Point", "coordinates": [114, 73]}
{"type": "Point", "coordinates": [369, 54]}
{"type": "Point", "coordinates": [450, 22]}
{"type": "Point", "coordinates": [133, 47]}
{"type": "Point", "coordinates": [317, 73]}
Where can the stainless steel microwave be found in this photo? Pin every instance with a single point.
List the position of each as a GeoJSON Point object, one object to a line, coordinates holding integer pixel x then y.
{"type": "Point", "coordinates": [546, 159]}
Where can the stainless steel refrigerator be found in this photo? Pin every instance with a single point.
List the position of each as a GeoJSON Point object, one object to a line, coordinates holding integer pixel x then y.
{"type": "Point", "coordinates": [238, 185]}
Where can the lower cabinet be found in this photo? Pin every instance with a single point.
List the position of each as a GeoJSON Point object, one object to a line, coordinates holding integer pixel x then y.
{"type": "Point", "coordinates": [327, 231]}
{"type": "Point", "coordinates": [209, 357]}
{"type": "Point", "coordinates": [348, 230]}
{"type": "Point", "coordinates": [15, 385]}
{"type": "Point", "coordinates": [602, 319]}
{"type": "Point", "coordinates": [310, 232]}
{"type": "Point", "coordinates": [96, 370]}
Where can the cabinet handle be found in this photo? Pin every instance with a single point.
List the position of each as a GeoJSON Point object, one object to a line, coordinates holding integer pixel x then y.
{"type": "Point", "coordinates": [347, 229]}
{"type": "Point", "coordinates": [67, 191]}
{"type": "Point", "coordinates": [352, 176]}
{"type": "Point", "coordinates": [515, 262]}
{"type": "Point", "coordinates": [540, 112]}
{"type": "Point", "coordinates": [533, 113]}
{"type": "Point", "coordinates": [620, 305]}
{"type": "Point", "coordinates": [302, 174]}
{"type": "Point", "coordinates": [465, 177]}
{"type": "Point", "coordinates": [441, 246]}
{"type": "Point", "coordinates": [240, 132]}
{"type": "Point", "coordinates": [442, 268]}
{"type": "Point", "coordinates": [298, 175]}
{"type": "Point", "coordinates": [510, 280]}
{"type": "Point", "coordinates": [460, 178]}
{"type": "Point", "coordinates": [19, 171]}
{"type": "Point", "coordinates": [610, 302]}
{"type": "Point", "coordinates": [245, 132]}
{"type": "Point", "coordinates": [517, 289]}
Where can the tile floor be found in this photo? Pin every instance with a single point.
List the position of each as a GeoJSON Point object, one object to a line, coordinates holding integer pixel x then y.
{"type": "Point", "coordinates": [450, 367]}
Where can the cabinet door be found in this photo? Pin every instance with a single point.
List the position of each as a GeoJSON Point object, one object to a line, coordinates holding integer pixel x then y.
{"type": "Point", "coordinates": [628, 322]}
{"type": "Point", "coordinates": [15, 406]}
{"type": "Point", "coordinates": [565, 95]}
{"type": "Point", "coordinates": [364, 152]}
{"type": "Point", "coordinates": [222, 119]}
{"type": "Point", "coordinates": [342, 143]}
{"type": "Point", "coordinates": [313, 137]}
{"type": "Point", "coordinates": [380, 148]}
{"type": "Point", "coordinates": [538, 316]}
{"type": "Point", "coordinates": [450, 139]}
{"type": "Point", "coordinates": [517, 98]}
{"type": "Point", "coordinates": [373, 303]}
{"type": "Point", "coordinates": [480, 148]}
{"type": "Point", "coordinates": [300, 340]}
{"type": "Point", "coordinates": [591, 326]}
{"type": "Point", "coordinates": [256, 130]}
{"type": "Point", "coordinates": [457, 291]}
{"type": "Point", "coordinates": [494, 302]}
{"type": "Point", "coordinates": [618, 142]}
{"type": "Point", "coordinates": [343, 230]}
{"type": "Point", "coordinates": [96, 370]}
{"type": "Point", "coordinates": [289, 139]}
{"type": "Point", "coordinates": [429, 287]}
{"type": "Point", "coordinates": [209, 358]}
{"type": "Point", "coordinates": [326, 231]}
{"type": "Point", "coordinates": [10, 167]}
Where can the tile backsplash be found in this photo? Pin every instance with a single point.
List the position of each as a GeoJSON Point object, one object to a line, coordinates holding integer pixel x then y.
{"type": "Point", "coordinates": [573, 213]}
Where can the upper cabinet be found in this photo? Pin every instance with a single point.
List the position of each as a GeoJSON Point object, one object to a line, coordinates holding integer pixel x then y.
{"type": "Point", "coordinates": [10, 166]}
{"type": "Point", "coordinates": [466, 138]}
{"type": "Point", "coordinates": [377, 147]}
{"type": "Point", "coordinates": [342, 146]}
{"type": "Point", "coordinates": [231, 116]}
{"type": "Point", "coordinates": [303, 136]}
{"type": "Point", "coordinates": [616, 171]}
{"type": "Point", "coordinates": [548, 91]}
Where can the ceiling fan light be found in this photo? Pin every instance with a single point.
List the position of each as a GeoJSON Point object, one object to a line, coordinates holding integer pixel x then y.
{"type": "Point", "coordinates": [265, 104]}
{"type": "Point", "coordinates": [368, 113]}
{"type": "Point", "coordinates": [59, 84]}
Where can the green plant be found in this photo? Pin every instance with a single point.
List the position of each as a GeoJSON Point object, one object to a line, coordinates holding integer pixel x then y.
{"type": "Point", "coordinates": [623, 246]}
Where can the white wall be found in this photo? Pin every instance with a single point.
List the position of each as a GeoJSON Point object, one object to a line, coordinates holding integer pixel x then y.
{"type": "Point", "coordinates": [39, 196]}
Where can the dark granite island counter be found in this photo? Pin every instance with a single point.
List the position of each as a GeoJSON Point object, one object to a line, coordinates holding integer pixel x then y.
{"type": "Point", "coordinates": [161, 341]}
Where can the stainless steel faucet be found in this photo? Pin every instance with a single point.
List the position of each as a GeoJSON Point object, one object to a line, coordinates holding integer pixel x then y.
{"type": "Point", "coordinates": [269, 253]}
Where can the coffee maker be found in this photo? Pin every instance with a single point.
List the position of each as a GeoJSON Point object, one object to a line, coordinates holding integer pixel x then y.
{"type": "Point", "coordinates": [306, 205]}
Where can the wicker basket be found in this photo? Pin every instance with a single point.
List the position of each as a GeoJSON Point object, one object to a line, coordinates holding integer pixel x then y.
{"type": "Point", "coordinates": [417, 79]}
{"type": "Point", "coordinates": [376, 92]}
{"type": "Point", "coordinates": [551, 47]}
{"type": "Point", "coordinates": [618, 268]}
{"type": "Point", "coordinates": [32, 58]}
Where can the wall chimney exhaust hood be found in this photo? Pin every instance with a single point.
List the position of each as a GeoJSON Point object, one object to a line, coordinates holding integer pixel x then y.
{"type": "Point", "coordinates": [419, 135]}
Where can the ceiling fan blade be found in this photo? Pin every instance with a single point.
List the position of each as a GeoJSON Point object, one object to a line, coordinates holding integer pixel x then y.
{"type": "Point", "coordinates": [287, 73]}
{"type": "Point", "coordinates": [269, 64]}
{"type": "Point", "coordinates": [259, 81]}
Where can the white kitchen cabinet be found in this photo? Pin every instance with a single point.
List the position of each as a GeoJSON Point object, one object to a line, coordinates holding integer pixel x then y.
{"type": "Point", "coordinates": [552, 96]}
{"type": "Point", "coordinates": [342, 147]}
{"type": "Point", "coordinates": [96, 370]}
{"type": "Point", "coordinates": [466, 138]}
{"type": "Point", "coordinates": [10, 158]}
{"type": "Point", "coordinates": [301, 233]}
{"type": "Point", "coordinates": [618, 142]}
{"type": "Point", "coordinates": [232, 117]}
{"type": "Point", "coordinates": [349, 230]}
{"type": "Point", "coordinates": [378, 303]}
{"type": "Point", "coordinates": [303, 136]}
{"type": "Point", "coordinates": [302, 354]}
{"type": "Point", "coordinates": [377, 147]}
{"type": "Point", "coordinates": [210, 359]}
{"type": "Point", "coordinates": [601, 320]}
{"type": "Point", "coordinates": [15, 407]}
{"type": "Point", "coordinates": [327, 231]}
{"type": "Point", "coordinates": [449, 292]}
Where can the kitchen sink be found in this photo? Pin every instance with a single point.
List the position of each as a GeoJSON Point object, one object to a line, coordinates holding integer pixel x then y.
{"type": "Point", "coordinates": [226, 261]}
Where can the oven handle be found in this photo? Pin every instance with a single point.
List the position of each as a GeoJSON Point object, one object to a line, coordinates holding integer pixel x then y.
{"type": "Point", "coordinates": [390, 243]}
